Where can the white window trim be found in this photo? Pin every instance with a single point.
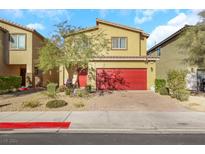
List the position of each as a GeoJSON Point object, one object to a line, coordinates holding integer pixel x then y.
{"type": "Point", "coordinates": [125, 48]}
{"type": "Point", "coordinates": [17, 40]}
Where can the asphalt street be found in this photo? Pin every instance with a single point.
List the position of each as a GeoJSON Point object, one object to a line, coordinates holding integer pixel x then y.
{"type": "Point", "coordinates": [101, 139]}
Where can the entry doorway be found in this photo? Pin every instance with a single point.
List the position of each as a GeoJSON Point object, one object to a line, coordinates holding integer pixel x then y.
{"type": "Point", "coordinates": [201, 79]}
{"type": "Point", "coordinates": [23, 76]}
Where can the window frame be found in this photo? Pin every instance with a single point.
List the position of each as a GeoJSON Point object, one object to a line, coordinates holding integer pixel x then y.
{"type": "Point", "coordinates": [126, 43]}
{"type": "Point", "coordinates": [17, 49]}
{"type": "Point", "coordinates": [159, 51]}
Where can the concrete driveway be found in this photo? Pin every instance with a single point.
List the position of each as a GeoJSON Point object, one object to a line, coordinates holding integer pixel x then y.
{"type": "Point", "coordinates": [134, 101]}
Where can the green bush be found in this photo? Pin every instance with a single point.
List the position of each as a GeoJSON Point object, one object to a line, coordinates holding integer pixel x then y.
{"type": "Point", "coordinates": [9, 82]}
{"type": "Point", "coordinates": [56, 103]}
{"type": "Point", "coordinates": [80, 94]}
{"type": "Point", "coordinates": [31, 103]}
{"type": "Point", "coordinates": [88, 88]}
{"type": "Point", "coordinates": [177, 84]}
{"type": "Point", "coordinates": [51, 89]}
{"type": "Point", "coordinates": [159, 83]}
{"type": "Point", "coordinates": [164, 91]}
{"type": "Point", "coordinates": [68, 91]}
{"type": "Point", "coordinates": [182, 95]}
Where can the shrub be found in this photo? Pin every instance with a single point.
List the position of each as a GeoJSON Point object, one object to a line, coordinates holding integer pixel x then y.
{"type": "Point", "coordinates": [51, 89]}
{"type": "Point", "coordinates": [68, 91]}
{"type": "Point", "coordinates": [164, 91]}
{"type": "Point", "coordinates": [56, 103]}
{"type": "Point", "coordinates": [79, 104]}
{"type": "Point", "coordinates": [9, 82]}
{"type": "Point", "coordinates": [176, 81]}
{"type": "Point", "coordinates": [80, 94]}
{"type": "Point", "coordinates": [159, 83]}
{"type": "Point", "coordinates": [31, 103]}
{"type": "Point", "coordinates": [88, 88]}
{"type": "Point", "coordinates": [177, 85]}
{"type": "Point", "coordinates": [182, 95]}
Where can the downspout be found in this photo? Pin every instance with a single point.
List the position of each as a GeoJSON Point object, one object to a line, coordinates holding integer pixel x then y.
{"type": "Point", "coordinates": [140, 45]}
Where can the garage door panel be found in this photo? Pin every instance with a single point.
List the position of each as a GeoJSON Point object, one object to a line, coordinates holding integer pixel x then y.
{"type": "Point", "coordinates": [122, 79]}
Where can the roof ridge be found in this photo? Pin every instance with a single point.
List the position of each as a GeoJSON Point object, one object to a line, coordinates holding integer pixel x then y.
{"type": "Point", "coordinates": [6, 21]}
{"type": "Point", "coordinates": [168, 38]}
{"type": "Point", "coordinates": [16, 24]}
{"type": "Point", "coordinates": [120, 25]}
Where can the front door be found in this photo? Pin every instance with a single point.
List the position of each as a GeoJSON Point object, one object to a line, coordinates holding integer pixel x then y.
{"type": "Point", "coordinates": [23, 76]}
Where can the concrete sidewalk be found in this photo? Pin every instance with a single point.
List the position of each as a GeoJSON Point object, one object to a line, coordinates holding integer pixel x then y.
{"type": "Point", "coordinates": [112, 121]}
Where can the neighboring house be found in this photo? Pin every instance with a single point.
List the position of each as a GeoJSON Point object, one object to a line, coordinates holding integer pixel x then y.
{"type": "Point", "coordinates": [172, 57]}
{"type": "Point", "coordinates": [19, 52]}
{"type": "Point", "coordinates": [125, 66]}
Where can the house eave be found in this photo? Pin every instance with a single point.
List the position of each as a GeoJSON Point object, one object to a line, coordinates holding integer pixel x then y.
{"type": "Point", "coordinates": [125, 58]}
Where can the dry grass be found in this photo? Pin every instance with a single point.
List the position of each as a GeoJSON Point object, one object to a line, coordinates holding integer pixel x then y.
{"type": "Point", "coordinates": [37, 102]}
{"type": "Point", "coordinates": [196, 103]}
{"type": "Point", "coordinates": [79, 104]}
{"type": "Point", "coordinates": [31, 103]}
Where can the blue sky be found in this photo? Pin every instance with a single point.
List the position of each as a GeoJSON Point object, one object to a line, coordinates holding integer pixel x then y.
{"type": "Point", "coordinates": [158, 23]}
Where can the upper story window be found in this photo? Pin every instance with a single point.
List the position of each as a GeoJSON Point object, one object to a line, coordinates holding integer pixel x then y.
{"type": "Point", "coordinates": [18, 41]}
{"type": "Point", "coordinates": [119, 43]}
{"type": "Point", "coordinates": [158, 52]}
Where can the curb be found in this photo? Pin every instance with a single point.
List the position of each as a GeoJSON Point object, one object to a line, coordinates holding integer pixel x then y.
{"type": "Point", "coordinates": [136, 131]}
{"type": "Point", "coordinates": [105, 131]}
{"type": "Point", "coordinates": [33, 125]}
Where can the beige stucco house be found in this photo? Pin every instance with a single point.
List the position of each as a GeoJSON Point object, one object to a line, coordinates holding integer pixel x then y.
{"type": "Point", "coordinates": [19, 52]}
{"type": "Point", "coordinates": [125, 64]}
{"type": "Point", "coordinates": [172, 57]}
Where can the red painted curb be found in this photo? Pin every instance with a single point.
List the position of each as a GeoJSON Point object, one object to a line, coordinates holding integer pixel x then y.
{"type": "Point", "coordinates": [23, 125]}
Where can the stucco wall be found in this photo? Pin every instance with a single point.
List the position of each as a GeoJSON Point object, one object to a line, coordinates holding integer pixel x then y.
{"type": "Point", "coordinates": [7, 70]}
{"type": "Point", "coordinates": [123, 64]}
{"type": "Point", "coordinates": [171, 58]}
{"type": "Point", "coordinates": [136, 45]}
{"type": "Point", "coordinates": [151, 73]}
{"type": "Point", "coordinates": [20, 57]}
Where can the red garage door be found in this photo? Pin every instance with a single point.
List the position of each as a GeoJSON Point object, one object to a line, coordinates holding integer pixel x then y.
{"type": "Point", "coordinates": [121, 79]}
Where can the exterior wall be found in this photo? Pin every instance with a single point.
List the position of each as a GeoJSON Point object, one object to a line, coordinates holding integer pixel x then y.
{"type": "Point", "coordinates": [7, 70]}
{"type": "Point", "coordinates": [23, 57]}
{"type": "Point", "coordinates": [123, 64]}
{"type": "Point", "coordinates": [170, 58]}
{"type": "Point", "coordinates": [136, 43]}
{"type": "Point", "coordinates": [151, 71]}
{"type": "Point", "coordinates": [135, 47]}
{"type": "Point", "coordinates": [46, 77]}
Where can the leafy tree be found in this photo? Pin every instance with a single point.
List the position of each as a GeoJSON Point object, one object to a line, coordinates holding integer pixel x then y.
{"type": "Point", "coordinates": [72, 48]}
{"type": "Point", "coordinates": [193, 41]}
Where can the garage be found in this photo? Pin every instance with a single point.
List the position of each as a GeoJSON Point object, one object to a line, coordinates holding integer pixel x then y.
{"type": "Point", "coordinates": [121, 78]}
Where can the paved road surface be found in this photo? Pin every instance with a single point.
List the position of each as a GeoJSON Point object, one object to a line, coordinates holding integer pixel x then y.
{"type": "Point", "coordinates": [96, 139]}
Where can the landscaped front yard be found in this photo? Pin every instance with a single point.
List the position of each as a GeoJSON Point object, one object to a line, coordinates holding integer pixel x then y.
{"type": "Point", "coordinates": [141, 101]}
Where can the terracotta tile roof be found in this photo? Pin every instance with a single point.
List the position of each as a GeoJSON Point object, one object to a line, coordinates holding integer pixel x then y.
{"type": "Point", "coordinates": [4, 30]}
{"type": "Point", "coordinates": [20, 26]}
{"type": "Point", "coordinates": [121, 26]}
{"type": "Point", "coordinates": [111, 24]}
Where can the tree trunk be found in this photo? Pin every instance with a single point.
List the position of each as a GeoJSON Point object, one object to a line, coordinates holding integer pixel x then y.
{"type": "Point", "coordinates": [70, 73]}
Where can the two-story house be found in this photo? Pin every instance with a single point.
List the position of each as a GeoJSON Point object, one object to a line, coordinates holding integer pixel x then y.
{"type": "Point", "coordinates": [19, 52]}
{"type": "Point", "coordinates": [125, 66]}
{"type": "Point", "coordinates": [172, 57]}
